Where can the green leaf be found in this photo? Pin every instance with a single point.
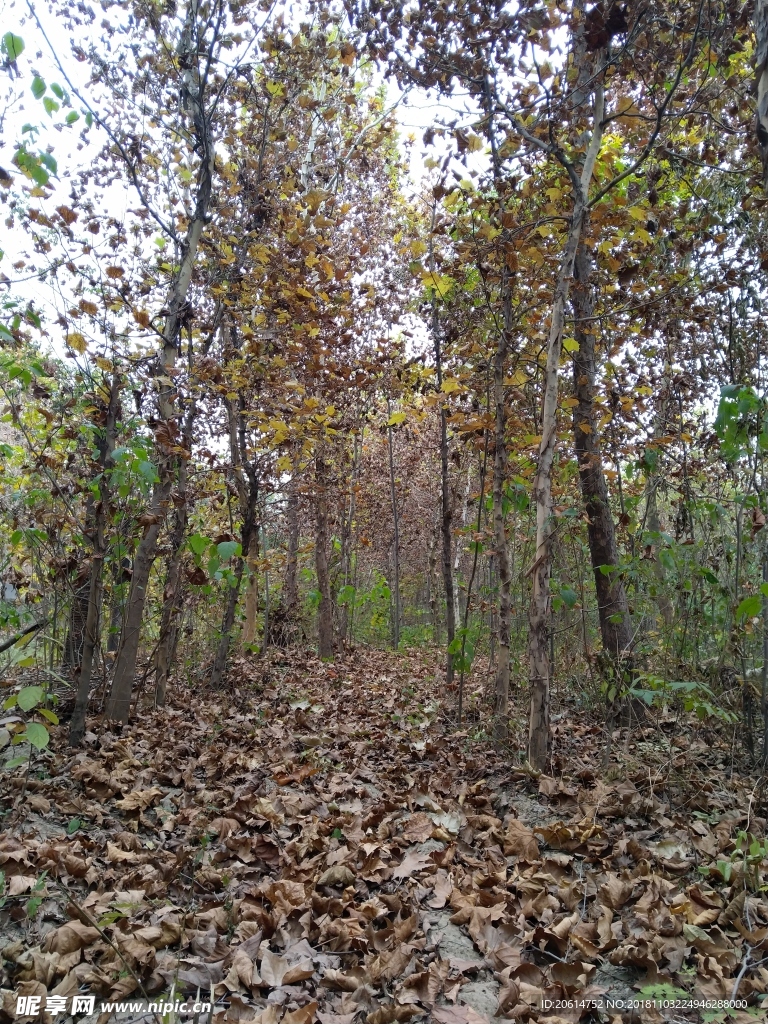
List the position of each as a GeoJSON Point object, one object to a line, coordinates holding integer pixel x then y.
{"type": "Point", "coordinates": [73, 825]}
{"type": "Point", "coordinates": [29, 697]}
{"type": "Point", "coordinates": [51, 106]}
{"type": "Point", "coordinates": [72, 116]}
{"type": "Point", "coordinates": [749, 607]}
{"type": "Point", "coordinates": [13, 46]}
{"type": "Point", "coordinates": [57, 90]}
{"type": "Point", "coordinates": [198, 543]}
{"type": "Point", "coordinates": [89, 119]}
{"type": "Point", "coordinates": [52, 717]}
{"type": "Point", "coordinates": [37, 735]}
{"type": "Point", "coordinates": [569, 596]}
{"type": "Point", "coordinates": [49, 161]}
{"type": "Point", "coordinates": [227, 549]}
{"type": "Point", "coordinates": [38, 87]}
{"type": "Point", "coordinates": [148, 471]}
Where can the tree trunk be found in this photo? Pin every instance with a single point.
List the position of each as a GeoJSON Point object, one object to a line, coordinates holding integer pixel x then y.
{"type": "Point", "coordinates": [541, 570]}
{"type": "Point", "coordinates": [347, 534]}
{"type": "Point", "coordinates": [193, 98]}
{"type": "Point", "coordinates": [501, 549]}
{"type": "Point", "coordinates": [106, 445]}
{"type": "Point", "coordinates": [613, 611]}
{"type": "Point", "coordinates": [227, 622]}
{"type": "Point", "coordinates": [325, 608]}
{"type": "Point", "coordinates": [396, 538]}
{"type": "Point", "coordinates": [292, 564]}
{"type": "Point", "coordinates": [251, 593]}
{"type": "Point", "coordinates": [72, 655]}
{"type": "Point", "coordinates": [446, 509]}
{"type": "Point", "coordinates": [246, 484]}
{"type": "Point", "coordinates": [172, 594]}
{"type": "Point", "coordinates": [540, 608]}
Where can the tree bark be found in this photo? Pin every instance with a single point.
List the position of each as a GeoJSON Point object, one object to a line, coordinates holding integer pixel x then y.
{"type": "Point", "coordinates": [251, 593]}
{"type": "Point", "coordinates": [446, 508]}
{"type": "Point", "coordinates": [613, 610]}
{"type": "Point", "coordinates": [106, 445]}
{"type": "Point", "coordinates": [192, 92]}
{"type": "Point", "coordinates": [347, 532]}
{"type": "Point", "coordinates": [501, 549]}
{"type": "Point", "coordinates": [74, 642]}
{"type": "Point", "coordinates": [396, 537]}
{"type": "Point", "coordinates": [292, 563]}
{"type": "Point", "coordinates": [325, 607]}
{"type": "Point", "coordinates": [172, 594]}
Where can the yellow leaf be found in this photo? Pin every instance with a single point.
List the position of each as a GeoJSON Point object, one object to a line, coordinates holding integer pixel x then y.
{"type": "Point", "coordinates": [450, 385]}
{"type": "Point", "coordinates": [585, 427]}
{"type": "Point", "coordinates": [77, 342]}
{"type": "Point", "coordinates": [103, 364]}
{"type": "Point", "coordinates": [570, 403]}
{"type": "Point", "coordinates": [570, 345]}
{"type": "Point", "coordinates": [395, 418]}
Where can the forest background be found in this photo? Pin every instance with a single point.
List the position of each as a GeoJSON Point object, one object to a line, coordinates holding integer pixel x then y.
{"type": "Point", "coordinates": [263, 386]}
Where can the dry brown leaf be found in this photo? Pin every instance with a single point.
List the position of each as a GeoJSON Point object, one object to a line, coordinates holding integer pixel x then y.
{"type": "Point", "coordinates": [520, 841]}
{"type": "Point", "coordinates": [70, 937]}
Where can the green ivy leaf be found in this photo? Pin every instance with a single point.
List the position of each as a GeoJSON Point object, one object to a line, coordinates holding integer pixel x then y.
{"type": "Point", "coordinates": [38, 87]}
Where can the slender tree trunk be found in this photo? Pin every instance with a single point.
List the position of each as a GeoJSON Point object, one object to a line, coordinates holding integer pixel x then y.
{"type": "Point", "coordinates": [106, 445]}
{"type": "Point", "coordinates": [396, 538]}
{"type": "Point", "coordinates": [446, 509]}
{"type": "Point", "coordinates": [501, 548]}
{"type": "Point", "coordinates": [613, 610]}
{"type": "Point", "coordinates": [292, 564]}
{"type": "Point", "coordinates": [347, 532]}
{"type": "Point", "coordinates": [192, 89]}
{"type": "Point", "coordinates": [172, 594]}
{"type": "Point", "coordinates": [74, 642]}
{"type": "Point", "coordinates": [246, 483]}
{"type": "Point", "coordinates": [251, 593]}
{"type": "Point", "coordinates": [431, 588]}
{"type": "Point", "coordinates": [227, 622]}
{"type": "Point", "coordinates": [325, 608]}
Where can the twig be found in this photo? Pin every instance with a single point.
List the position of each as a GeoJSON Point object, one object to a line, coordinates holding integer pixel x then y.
{"type": "Point", "coordinates": [20, 636]}
{"type": "Point", "coordinates": [103, 934]}
{"type": "Point", "coordinates": [745, 964]}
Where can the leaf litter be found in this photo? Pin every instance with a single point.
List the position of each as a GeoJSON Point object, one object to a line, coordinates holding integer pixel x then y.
{"type": "Point", "coordinates": [319, 844]}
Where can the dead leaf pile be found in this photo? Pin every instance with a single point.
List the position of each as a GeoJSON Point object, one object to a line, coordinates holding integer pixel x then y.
{"type": "Point", "coordinates": [319, 848]}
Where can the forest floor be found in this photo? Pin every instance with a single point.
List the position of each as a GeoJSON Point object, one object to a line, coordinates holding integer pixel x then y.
{"type": "Point", "coordinates": [319, 843]}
